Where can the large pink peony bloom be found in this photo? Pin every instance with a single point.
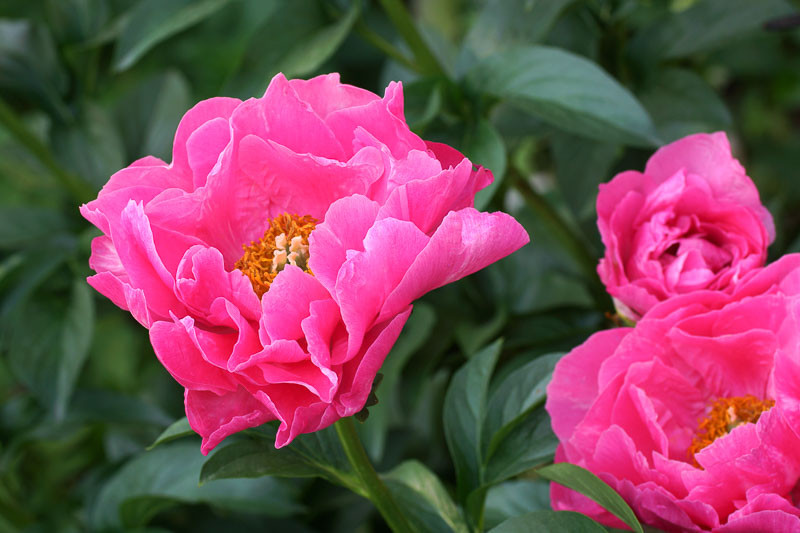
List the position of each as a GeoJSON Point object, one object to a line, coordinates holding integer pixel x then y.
{"type": "Point", "coordinates": [694, 414]}
{"type": "Point", "coordinates": [275, 259]}
{"type": "Point", "coordinates": [693, 220]}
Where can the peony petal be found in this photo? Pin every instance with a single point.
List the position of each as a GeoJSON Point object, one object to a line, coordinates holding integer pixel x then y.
{"type": "Point", "coordinates": [465, 242]}
{"type": "Point", "coordinates": [215, 416]}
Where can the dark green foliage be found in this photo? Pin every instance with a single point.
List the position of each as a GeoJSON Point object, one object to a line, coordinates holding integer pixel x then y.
{"type": "Point", "coordinates": [554, 96]}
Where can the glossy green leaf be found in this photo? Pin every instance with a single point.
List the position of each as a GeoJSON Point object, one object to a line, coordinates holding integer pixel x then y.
{"type": "Point", "coordinates": [167, 475]}
{"type": "Point", "coordinates": [581, 480]}
{"type": "Point", "coordinates": [296, 39]}
{"type": "Point", "coordinates": [530, 443]}
{"type": "Point", "coordinates": [91, 147]}
{"type": "Point", "coordinates": [484, 146]}
{"type": "Point", "coordinates": [422, 495]}
{"type": "Point", "coordinates": [255, 458]}
{"type": "Point", "coordinates": [515, 397]}
{"type": "Point", "coordinates": [464, 414]}
{"type": "Point", "coordinates": [581, 166]}
{"type": "Point", "coordinates": [706, 25]}
{"type": "Point", "coordinates": [682, 103]}
{"type": "Point", "coordinates": [179, 428]}
{"type": "Point", "coordinates": [47, 343]}
{"type": "Point", "coordinates": [152, 21]}
{"type": "Point", "coordinates": [417, 330]}
{"type": "Point", "coordinates": [550, 521]}
{"type": "Point", "coordinates": [502, 24]}
{"type": "Point", "coordinates": [30, 68]}
{"type": "Point", "coordinates": [515, 498]}
{"type": "Point", "coordinates": [566, 90]}
{"type": "Point", "coordinates": [22, 226]}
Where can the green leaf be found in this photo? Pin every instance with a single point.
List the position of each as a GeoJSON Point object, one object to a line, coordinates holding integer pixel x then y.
{"type": "Point", "coordinates": [566, 90]}
{"type": "Point", "coordinates": [295, 40]}
{"type": "Point", "coordinates": [255, 458]}
{"type": "Point", "coordinates": [321, 452]}
{"type": "Point", "coordinates": [416, 331]}
{"type": "Point", "coordinates": [30, 68]}
{"type": "Point", "coordinates": [76, 338]}
{"type": "Point", "coordinates": [425, 499]}
{"type": "Point", "coordinates": [515, 397]}
{"type": "Point", "coordinates": [28, 226]}
{"type": "Point", "coordinates": [682, 103]}
{"type": "Point", "coordinates": [515, 498]}
{"type": "Point", "coordinates": [528, 444]}
{"type": "Point", "coordinates": [464, 414]}
{"type": "Point", "coordinates": [502, 24]}
{"type": "Point", "coordinates": [91, 148]}
{"type": "Point", "coordinates": [46, 343]}
{"type": "Point", "coordinates": [550, 521]}
{"type": "Point", "coordinates": [168, 475]}
{"type": "Point", "coordinates": [484, 146]}
{"type": "Point", "coordinates": [581, 165]}
{"type": "Point", "coordinates": [152, 21]}
{"type": "Point", "coordinates": [581, 480]}
{"type": "Point", "coordinates": [707, 25]}
{"type": "Point", "coordinates": [149, 115]}
{"type": "Point", "coordinates": [179, 428]}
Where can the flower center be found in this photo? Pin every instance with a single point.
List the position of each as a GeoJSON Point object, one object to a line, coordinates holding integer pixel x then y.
{"type": "Point", "coordinates": [284, 242]}
{"type": "Point", "coordinates": [726, 414]}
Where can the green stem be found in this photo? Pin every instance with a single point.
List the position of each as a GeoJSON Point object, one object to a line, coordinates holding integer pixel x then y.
{"type": "Point", "coordinates": [383, 45]}
{"type": "Point", "coordinates": [571, 241]}
{"type": "Point", "coordinates": [375, 490]}
{"type": "Point", "coordinates": [404, 24]}
{"type": "Point", "coordinates": [78, 189]}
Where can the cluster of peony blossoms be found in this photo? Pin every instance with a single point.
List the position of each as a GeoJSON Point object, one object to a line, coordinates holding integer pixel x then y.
{"type": "Point", "coordinates": [693, 415]}
{"type": "Point", "coordinates": [275, 260]}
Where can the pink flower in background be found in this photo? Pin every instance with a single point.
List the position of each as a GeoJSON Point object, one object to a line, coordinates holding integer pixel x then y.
{"type": "Point", "coordinates": [693, 220]}
{"type": "Point", "coordinates": [693, 416]}
{"type": "Point", "coordinates": [275, 259]}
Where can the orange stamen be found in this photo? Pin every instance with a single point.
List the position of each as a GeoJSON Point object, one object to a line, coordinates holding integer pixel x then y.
{"type": "Point", "coordinates": [285, 241]}
{"type": "Point", "coordinates": [726, 414]}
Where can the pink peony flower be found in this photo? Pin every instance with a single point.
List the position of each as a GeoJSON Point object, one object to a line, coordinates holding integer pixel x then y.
{"type": "Point", "coordinates": [275, 259]}
{"type": "Point", "coordinates": [693, 220]}
{"type": "Point", "coordinates": [693, 416]}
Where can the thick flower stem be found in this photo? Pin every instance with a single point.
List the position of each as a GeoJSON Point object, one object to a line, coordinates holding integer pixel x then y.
{"type": "Point", "coordinates": [374, 488]}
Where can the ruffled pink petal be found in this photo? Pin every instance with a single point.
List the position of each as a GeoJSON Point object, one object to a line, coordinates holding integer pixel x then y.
{"type": "Point", "coordinates": [134, 241]}
{"type": "Point", "coordinates": [426, 201]}
{"type": "Point", "coordinates": [287, 303]}
{"type": "Point", "coordinates": [176, 346]}
{"type": "Point", "coordinates": [574, 385]}
{"type": "Point", "coordinates": [325, 94]}
{"type": "Point", "coordinates": [465, 242]}
{"type": "Point", "coordinates": [204, 147]}
{"type": "Point", "coordinates": [302, 183]}
{"type": "Point", "coordinates": [366, 278]}
{"type": "Point", "coordinates": [202, 279]}
{"type": "Point", "coordinates": [358, 374]}
{"type": "Point", "coordinates": [762, 522]}
{"type": "Point", "coordinates": [124, 296]}
{"type": "Point", "coordinates": [215, 416]}
{"type": "Point", "coordinates": [344, 228]}
{"type": "Point", "coordinates": [203, 112]}
{"type": "Point", "coordinates": [383, 119]}
{"type": "Point", "coordinates": [709, 156]}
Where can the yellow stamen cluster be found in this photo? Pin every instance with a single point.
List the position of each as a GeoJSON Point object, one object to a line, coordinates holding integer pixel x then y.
{"type": "Point", "coordinates": [726, 414]}
{"type": "Point", "coordinates": [284, 242]}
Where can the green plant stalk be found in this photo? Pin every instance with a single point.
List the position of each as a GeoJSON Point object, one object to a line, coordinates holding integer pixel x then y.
{"type": "Point", "coordinates": [383, 45]}
{"type": "Point", "coordinates": [572, 242]}
{"type": "Point", "coordinates": [374, 488]}
{"type": "Point", "coordinates": [77, 188]}
{"type": "Point", "coordinates": [404, 24]}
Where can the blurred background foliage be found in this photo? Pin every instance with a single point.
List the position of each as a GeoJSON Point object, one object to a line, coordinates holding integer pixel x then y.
{"type": "Point", "coordinates": [555, 96]}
